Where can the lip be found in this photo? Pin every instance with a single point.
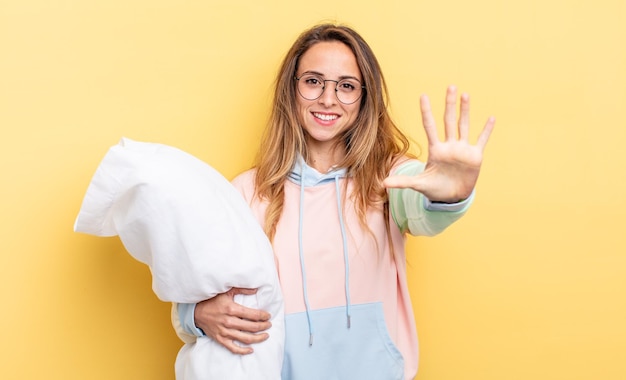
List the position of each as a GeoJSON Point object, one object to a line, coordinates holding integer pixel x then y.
{"type": "Point", "coordinates": [325, 118]}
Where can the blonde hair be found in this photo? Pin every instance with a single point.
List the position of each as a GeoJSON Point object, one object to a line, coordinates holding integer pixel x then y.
{"type": "Point", "coordinates": [372, 144]}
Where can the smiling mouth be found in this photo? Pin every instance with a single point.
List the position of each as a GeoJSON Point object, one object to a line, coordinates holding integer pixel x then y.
{"type": "Point", "coordinates": [325, 117]}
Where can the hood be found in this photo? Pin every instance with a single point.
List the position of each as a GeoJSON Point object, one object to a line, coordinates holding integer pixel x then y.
{"type": "Point", "coordinates": [307, 176]}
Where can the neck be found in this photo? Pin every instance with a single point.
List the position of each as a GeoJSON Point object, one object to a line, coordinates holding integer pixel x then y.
{"type": "Point", "coordinates": [324, 160]}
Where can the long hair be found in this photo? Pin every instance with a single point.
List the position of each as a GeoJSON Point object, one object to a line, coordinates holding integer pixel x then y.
{"type": "Point", "coordinates": [373, 143]}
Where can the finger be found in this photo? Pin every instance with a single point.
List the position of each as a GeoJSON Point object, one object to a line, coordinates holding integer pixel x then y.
{"type": "Point", "coordinates": [449, 116]}
{"type": "Point", "coordinates": [237, 310]}
{"type": "Point", "coordinates": [235, 332]}
{"type": "Point", "coordinates": [486, 133]}
{"type": "Point", "coordinates": [428, 121]}
{"type": "Point", "coordinates": [247, 326]}
{"type": "Point", "coordinates": [246, 291]}
{"type": "Point", "coordinates": [249, 339]}
{"type": "Point", "coordinates": [483, 138]}
{"type": "Point", "coordinates": [242, 312]}
{"type": "Point", "coordinates": [235, 348]}
{"type": "Point", "coordinates": [400, 182]}
{"type": "Point", "coordinates": [464, 118]}
{"type": "Point", "coordinates": [238, 342]}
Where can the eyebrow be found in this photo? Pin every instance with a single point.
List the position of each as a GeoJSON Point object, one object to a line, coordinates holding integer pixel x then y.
{"type": "Point", "coordinates": [342, 77]}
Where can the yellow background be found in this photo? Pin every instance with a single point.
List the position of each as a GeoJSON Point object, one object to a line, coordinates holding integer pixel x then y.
{"type": "Point", "coordinates": [531, 284]}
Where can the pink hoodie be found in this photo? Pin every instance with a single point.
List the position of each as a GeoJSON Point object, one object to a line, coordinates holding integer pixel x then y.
{"type": "Point", "coordinates": [347, 305]}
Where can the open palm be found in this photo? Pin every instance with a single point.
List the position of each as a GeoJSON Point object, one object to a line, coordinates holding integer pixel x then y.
{"type": "Point", "coordinates": [453, 165]}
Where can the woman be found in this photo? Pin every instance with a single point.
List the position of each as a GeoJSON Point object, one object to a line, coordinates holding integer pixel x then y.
{"type": "Point", "coordinates": [336, 191]}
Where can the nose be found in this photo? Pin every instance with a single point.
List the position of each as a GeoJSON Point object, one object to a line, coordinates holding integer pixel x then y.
{"type": "Point", "coordinates": [329, 93]}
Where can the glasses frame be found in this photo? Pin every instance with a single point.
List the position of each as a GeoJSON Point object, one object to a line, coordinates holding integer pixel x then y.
{"type": "Point", "coordinates": [324, 89]}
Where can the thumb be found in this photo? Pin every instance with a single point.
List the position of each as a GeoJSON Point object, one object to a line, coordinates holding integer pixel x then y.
{"type": "Point", "coordinates": [246, 291]}
{"type": "Point", "coordinates": [402, 182]}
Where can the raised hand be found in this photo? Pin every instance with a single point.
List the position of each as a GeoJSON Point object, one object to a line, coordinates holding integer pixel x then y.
{"type": "Point", "coordinates": [453, 165]}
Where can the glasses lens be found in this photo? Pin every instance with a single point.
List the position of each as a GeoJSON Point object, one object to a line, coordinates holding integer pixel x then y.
{"type": "Point", "coordinates": [311, 87]}
{"type": "Point", "coordinates": [348, 90]}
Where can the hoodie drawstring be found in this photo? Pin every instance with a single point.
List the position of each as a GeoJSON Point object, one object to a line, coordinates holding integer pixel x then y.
{"type": "Point", "coordinates": [301, 254]}
{"type": "Point", "coordinates": [345, 250]}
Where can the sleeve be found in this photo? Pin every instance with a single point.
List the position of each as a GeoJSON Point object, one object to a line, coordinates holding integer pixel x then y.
{"type": "Point", "coordinates": [183, 322]}
{"type": "Point", "coordinates": [416, 214]}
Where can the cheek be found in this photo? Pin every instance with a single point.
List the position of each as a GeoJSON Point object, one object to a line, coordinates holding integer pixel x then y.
{"type": "Point", "coordinates": [302, 111]}
{"type": "Point", "coordinates": [301, 107]}
{"type": "Point", "coordinates": [354, 112]}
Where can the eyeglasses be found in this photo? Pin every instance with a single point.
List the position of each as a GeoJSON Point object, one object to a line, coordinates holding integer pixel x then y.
{"type": "Point", "coordinates": [311, 87]}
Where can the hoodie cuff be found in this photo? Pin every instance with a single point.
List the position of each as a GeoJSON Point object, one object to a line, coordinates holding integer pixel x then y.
{"type": "Point", "coordinates": [187, 320]}
{"type": "Point", "coordinates": [449, 207]}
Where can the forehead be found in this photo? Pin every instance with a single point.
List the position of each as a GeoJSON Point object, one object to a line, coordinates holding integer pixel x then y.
{"type": "Point", "coordinates": [333, 59]}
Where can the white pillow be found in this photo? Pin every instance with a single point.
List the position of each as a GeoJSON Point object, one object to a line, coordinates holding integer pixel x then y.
{"type": "Point", "coordinates": [183, 219]}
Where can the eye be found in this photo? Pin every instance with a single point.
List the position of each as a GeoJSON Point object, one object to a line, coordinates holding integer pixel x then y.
{"type": "Point", "coordinates": [347, 86]}
{"type": "Point", "coordinates": [313, 81]}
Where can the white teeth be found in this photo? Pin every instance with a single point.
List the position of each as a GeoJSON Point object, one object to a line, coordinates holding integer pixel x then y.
{"type": "Point", "coordinates": [325, 117]}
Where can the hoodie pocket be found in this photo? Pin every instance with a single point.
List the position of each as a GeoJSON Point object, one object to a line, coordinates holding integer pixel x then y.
{"type": "Point", "coordinates": [364, 351]}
